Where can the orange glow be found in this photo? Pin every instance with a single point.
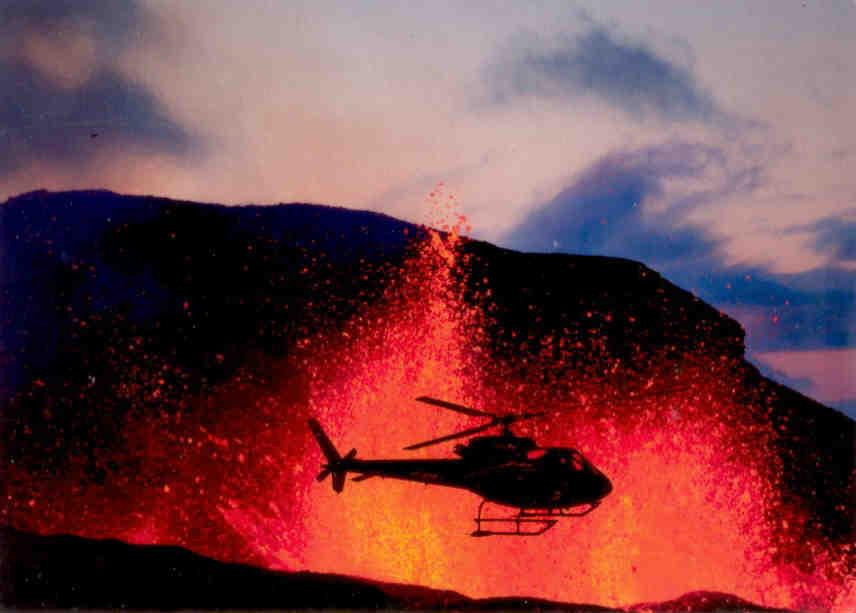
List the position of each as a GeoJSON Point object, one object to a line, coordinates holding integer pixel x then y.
{"type": "Point", "coordinates": [689, 507]}
{"type": "Point", "coordinates": [695, 504]}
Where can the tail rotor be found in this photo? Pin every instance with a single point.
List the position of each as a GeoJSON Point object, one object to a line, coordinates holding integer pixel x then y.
{"type": "Point", "coordinates": [336, 464]}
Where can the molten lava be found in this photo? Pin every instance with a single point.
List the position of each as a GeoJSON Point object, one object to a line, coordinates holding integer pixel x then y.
{"type": "Point", "coordinates": [695, 504]}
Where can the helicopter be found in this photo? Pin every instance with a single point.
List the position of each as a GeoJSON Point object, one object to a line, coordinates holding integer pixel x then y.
{"type": "Point", "coordinates": [544, 484]}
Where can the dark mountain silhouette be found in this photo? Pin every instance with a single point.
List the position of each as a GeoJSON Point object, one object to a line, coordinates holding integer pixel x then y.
{"type": "Point", "coordinates": [119, 306]}
{"type": "Point", "coordinates": [49, 572]}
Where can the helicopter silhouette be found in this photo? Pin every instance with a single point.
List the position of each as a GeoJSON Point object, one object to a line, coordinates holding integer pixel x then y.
{"type": "Point", "coordinates": [544, 484]}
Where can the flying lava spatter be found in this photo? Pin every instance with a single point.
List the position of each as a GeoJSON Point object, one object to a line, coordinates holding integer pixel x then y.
{"type": "Point", "coordinates": [696, 504]}
{"type": "Point", "coordinates": [693, 496]}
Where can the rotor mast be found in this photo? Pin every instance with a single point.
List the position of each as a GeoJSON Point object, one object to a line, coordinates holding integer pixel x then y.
{"type": "Point", "coordinates": [503, 420]}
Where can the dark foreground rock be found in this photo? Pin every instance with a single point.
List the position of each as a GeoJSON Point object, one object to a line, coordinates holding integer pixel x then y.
{"type": "Point", "coordinates": [68, 572]}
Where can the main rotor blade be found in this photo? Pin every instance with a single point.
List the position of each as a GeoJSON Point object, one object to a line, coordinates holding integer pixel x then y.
{"type": "Point", "coordinates": [454, 407]}
{"type": "Point", "coordinates": [450, 437]}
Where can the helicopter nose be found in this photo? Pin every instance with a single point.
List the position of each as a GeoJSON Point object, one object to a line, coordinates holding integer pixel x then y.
{"type": "Point", "coordinates": [605, 486]}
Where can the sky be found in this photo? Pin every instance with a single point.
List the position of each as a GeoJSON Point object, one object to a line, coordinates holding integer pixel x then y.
{"type": "Point", "coordinates": [713, 141]}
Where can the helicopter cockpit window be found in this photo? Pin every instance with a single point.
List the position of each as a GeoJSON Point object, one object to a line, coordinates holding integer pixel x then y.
{"type": "Point", "coordinates": [577, 461]}
{"type": "Point", "coordinates": [573, 460]}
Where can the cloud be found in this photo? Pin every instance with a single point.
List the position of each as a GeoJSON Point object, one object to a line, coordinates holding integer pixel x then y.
{"type": "Point", "coordinates": [607, 210]}
{"type": "Point", "coordinates": [628, 75]}
{"type": "Point", "coordinates": [603, 211]}
{"type": "Point", "coordinates": [836, 237]}
{"type": "Point", "coordinates": [827, 375]}
{"type": "Point", "coordinates": [113, 20]}
{"type": "Point", "coordinates": [63, 96]}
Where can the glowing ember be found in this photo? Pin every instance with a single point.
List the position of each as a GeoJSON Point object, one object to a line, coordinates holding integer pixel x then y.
{"type": "Point", "coordinates": [696, 504]}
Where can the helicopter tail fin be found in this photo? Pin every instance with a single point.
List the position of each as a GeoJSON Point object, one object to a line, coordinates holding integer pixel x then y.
{"type": "Point", "coordinates": [335, 462]}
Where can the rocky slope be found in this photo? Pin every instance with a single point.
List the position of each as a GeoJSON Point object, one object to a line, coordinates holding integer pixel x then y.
{"type": "Point", "coordinates": [67, 572]}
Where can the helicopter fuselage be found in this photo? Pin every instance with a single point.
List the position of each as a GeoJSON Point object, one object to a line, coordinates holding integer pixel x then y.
{"type": "Point", "coordinates": [521, 483]}
{"type": "Point", "coordinates": [543, 484]}
{"type": "Point", "coordinates": [507, 470]}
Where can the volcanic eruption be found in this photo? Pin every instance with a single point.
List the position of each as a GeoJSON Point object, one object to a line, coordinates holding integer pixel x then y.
{"type": "Point", "coordinates": [169, 355]}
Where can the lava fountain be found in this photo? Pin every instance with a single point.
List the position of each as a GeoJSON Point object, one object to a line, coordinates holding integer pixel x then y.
{"type": "Point", "coordinates": [693, 496]}
{"type": "Point", "coordinates": [696, 504]}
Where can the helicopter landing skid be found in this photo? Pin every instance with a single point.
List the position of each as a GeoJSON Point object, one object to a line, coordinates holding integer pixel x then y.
{"type": "Point", "coordinates": [526, 522]}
